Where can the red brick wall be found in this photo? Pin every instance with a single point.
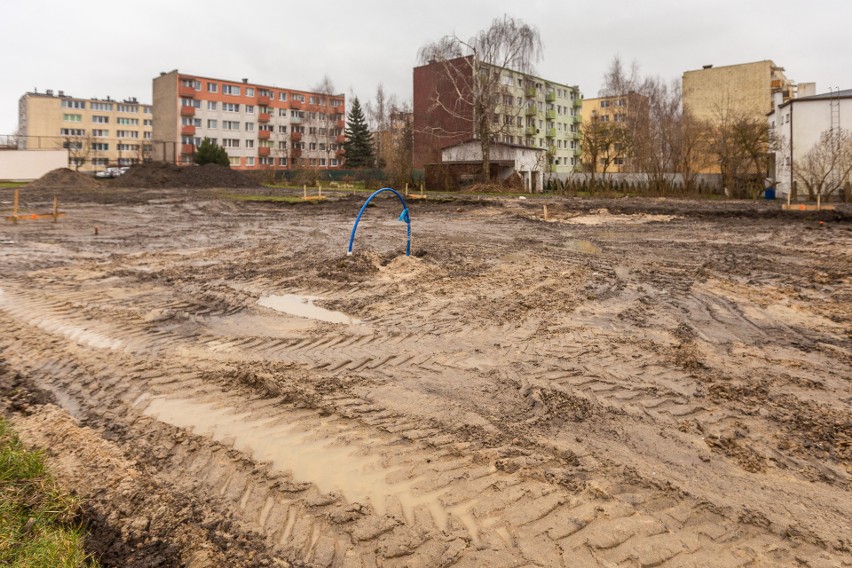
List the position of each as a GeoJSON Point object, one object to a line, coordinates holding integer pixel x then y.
{"type": "Point", "coordinates": [436, 128]}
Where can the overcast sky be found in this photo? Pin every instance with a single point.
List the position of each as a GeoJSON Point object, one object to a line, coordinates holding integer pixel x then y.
{"type": "Point", "coordinates": [95, 48]}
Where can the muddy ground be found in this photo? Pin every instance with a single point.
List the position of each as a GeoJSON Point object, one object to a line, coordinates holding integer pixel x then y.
{"type": "Point", "coordinates": [627, 383]}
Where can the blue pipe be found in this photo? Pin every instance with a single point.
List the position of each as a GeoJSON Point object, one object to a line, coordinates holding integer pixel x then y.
{"type": "Point", "coordinates": [402, 217]}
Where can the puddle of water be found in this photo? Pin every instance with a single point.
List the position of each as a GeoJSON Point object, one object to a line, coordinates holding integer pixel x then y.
{"type": "Point", "coordinates": [303, 307]}
{"type": "Point", "coordinates": [587, 247]}
{"type": "Point", "coordinates": [311, 456]}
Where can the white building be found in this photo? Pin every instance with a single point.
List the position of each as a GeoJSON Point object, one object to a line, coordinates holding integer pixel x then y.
{"type": "Point", "coordinates": [798, 124]}
{"type": "Point", "coordinates": [528, 162]}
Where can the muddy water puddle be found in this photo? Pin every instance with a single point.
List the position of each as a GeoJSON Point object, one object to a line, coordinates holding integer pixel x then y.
{"type": "Point", "coordinates": [304, 307]}
{"type": "Point", "coordinates": [313, 450]}
{"type": "Point", "coordinates": [587, 247]}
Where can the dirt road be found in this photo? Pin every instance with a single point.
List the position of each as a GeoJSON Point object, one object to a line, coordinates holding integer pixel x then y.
{"type": "Point", "coordinates": [654, 384]}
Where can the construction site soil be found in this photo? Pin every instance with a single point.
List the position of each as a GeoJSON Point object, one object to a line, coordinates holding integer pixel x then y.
{"type": "Point", "coordinates": [625, 382]}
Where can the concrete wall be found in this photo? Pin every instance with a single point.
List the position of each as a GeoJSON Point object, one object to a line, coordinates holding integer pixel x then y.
{"type": "Point", "coordinates": [27, 165]}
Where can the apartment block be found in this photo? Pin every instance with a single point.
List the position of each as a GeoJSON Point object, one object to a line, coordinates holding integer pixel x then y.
{"type": "Point", "coordinates": [746, 88]}
{"type": "Point", "coordinates": [620, 118]}
{"type": "Point", "coordinates": [260, 126]}
{"type": "Point", "coordinates": [531, 111]}
{"type": "Point", "coordinates": [96, 132]}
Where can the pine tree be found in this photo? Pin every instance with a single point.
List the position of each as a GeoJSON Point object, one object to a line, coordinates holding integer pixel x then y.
{"type": "Point", "coordinates": [359, 141]}
{"type": "Point", "coordinates": [209, 152]}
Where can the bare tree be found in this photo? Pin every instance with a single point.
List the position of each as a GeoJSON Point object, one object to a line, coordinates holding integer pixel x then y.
{"type": "Point", "coordinates": [602, 142]}
{"type": "Point", "coordinates": [740, 143]}
{"type": "Point", "coordinates": [330, 115]}
{"type": "Point", "coordinates": [79, 149]}
{"type": "Point", "coordinates": [827, 166]}
{"type": "Point", "coordinates": [380, 112]}
{"type": "Point", "coordinates": [473, 72]}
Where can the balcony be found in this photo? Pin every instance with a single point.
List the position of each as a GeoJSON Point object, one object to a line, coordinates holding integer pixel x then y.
{"type": "Point", "coordinates": [340, 109]}
{"type": "Point", "coordinates": [550, 97]}
{"type": "Point", "coordinates": [295, 136]}
{"type": "Point", "coordinates": [263, 117]}
{"type": "Point", "coordinates": [577, 151]}
{"type": "Point", "coordinates": [187, 111]}
{"type": "Point", "coordinates": [263, 134]}
{"type": "Point", "coordinates": [187, 149]}
{"type": "Point", "coordinates": [531, 111]}
{"type": "Point", "coordinates": [296, 153]}
{"type": "Point", "coordinates": [531, 92]}
{"type": "Point", "coordinates": [578, 102]}
{"type": "Point", "coordinates": [185, 91]}
{"type": "Point", "coordinates": [263, 100]}
{"type": "Point", "coordinates": [295, 104]}
{"type": "Point", "coordinates": [550, 133]}
{"type": "Point", "coordinates": [341, 139]}
{"type": "Point", "coordinates": [578, 119]}
{"type": "Point", "coordinates": [187, 130]}
{"type": "Point", "coordinates": [340, 153]}
{"type": "Point", "coordinates": [341, 124]}
{"type": "Point", "coordinates": [530, 131]}
{"type": "Point", "coordinates": [263, 151]}
{"type": "Point", "coordinates": [550, 115]}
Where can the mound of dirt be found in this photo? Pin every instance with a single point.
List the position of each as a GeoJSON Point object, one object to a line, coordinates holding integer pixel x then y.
{"type": "Point", "coordinates": [63, 178]}
{"type": "Point", "coordinates": [166, 175]}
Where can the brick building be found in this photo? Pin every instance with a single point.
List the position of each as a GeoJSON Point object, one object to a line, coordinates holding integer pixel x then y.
{"type": "Point", "coordinates": [96, 132]}
{"type": "Point", "coordinates": [260, 126]}
{"type": "Point", "coordinates": [532, 112]}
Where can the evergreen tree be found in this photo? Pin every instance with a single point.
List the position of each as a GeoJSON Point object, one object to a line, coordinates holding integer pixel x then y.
{"type": "Point", "coordinates": [359, 141]}
{"type": "Point", "coordinates": [209, 152]}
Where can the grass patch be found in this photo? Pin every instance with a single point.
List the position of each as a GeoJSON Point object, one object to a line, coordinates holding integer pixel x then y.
{"type": "Point", "coordinates": [38, 526]}
{"type": "Point", "coordinates": [12, 184]}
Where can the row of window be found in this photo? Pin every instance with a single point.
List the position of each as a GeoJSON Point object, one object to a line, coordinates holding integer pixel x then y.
{"type": "Point", "coordinates": [70, 103]}
{"type": "Point", "coordinates": [237, 90]}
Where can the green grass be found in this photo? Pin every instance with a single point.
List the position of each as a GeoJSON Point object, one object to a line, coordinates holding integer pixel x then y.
{"type": "Point", "coordinates": [37, 520]}
{"type": "Point", "coordinates": [11, 184]}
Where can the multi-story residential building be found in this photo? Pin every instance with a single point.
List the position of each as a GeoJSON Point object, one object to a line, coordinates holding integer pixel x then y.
{"type": "Point", "coordinates": [620, 119]}
{"type": "Point", "coordinates": [531, 112]}
{"type": "Point", "coordinates": [390, 143]}
{"type": "Point", "coordinates": [746, 88]}
{"type": "Point", "coordinates": [96, 132]}
{"type": "Point", "coordinates": [798, 125]}
{"type": "Point", "coordinates": [260, 126]}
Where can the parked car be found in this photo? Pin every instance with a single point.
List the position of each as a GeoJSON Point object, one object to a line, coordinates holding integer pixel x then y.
{"type": "Point", "coordinates": [111, 172]}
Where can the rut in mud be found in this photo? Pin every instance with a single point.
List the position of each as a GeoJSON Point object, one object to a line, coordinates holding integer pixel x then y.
{"type": "Point", "coordinates": [639, 386]}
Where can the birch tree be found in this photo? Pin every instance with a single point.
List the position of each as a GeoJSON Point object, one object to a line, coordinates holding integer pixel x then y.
{"type": "Point", "coordinates": [473, 72]}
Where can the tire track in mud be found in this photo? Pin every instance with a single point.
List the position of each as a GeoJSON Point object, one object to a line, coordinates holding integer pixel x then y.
{"type": "Point", "coordinates": [427, 501]}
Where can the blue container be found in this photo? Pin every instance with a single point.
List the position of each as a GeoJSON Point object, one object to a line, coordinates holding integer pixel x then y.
{"type": "Point", "coordinates": [769, 193]}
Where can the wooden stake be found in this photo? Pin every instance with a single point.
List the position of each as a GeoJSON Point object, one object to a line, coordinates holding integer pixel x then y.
{"type": "Point", "coordinates": [320, 189]}
{"type": "Point", "coordinates": [545, 212]}
{"type": "Point", "coordinates": [818, 200]}
{"type": "Point", "coordinates": [15, 207]}
{"type": "Point", "coordinates": [55, 208]}
{"type": "Point", "coordinates": [406, 189]}
{"type": "Point", "coordinates": [305, 191]}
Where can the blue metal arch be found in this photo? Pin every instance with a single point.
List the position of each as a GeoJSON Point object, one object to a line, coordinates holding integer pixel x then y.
{"type": "Point", "coordinates": [402, 217]}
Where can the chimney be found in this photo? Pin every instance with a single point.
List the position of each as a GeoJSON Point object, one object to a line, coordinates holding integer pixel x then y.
{"type": "Point", "coordinates": [245, 80]}
{"type": "Point", "coordinates": [50, 92]}
{"type": "Point", "coordinates": [707, 67]}
{"type": "Point", "coordinates": [162, 73]}
{"type": "Point", "coordinates": [61, 93]}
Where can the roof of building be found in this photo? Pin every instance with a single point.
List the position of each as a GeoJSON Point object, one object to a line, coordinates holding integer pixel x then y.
{"type": "Point", "coordinates": [845, 94]}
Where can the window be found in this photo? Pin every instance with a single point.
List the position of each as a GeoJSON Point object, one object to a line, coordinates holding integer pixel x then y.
{"type": "Point", "coordinates": [298, 98]}
{"type": "Point", "coordinates": [266, 93]}
{"type": "Point", "coordinates": [73, 104]}
{"type": "Point", "coordinates": [97, 133]}
{"type": "Point", "coordinates": [147, 135]}
{"type": "Point", "coordinates": [72, 132]}
{"type": "Point", "coordinates": [212, 87]}
{"type": "Point", "coordinates": [195, 103]}
{"type": "Point", "coordinates": [148, 122]}
{"type": "Point", "coordinates": [147, 110]}
{"type": "Point", "coordinates": [250, 161]}
{"type": "Point", "coordinates": [230, 142]}
{"type": "Point", "coordinates": [102, 106]}
{"type": "Point", "coordinates": [267, 161]}
{"type": "Point", "coordinates": [282, 161]}
{"type": "Point", "coordinates": [604, 104]}
{"type": "Point", "coordinates": [335, 162]}
{"type": "Point", "coordinates": [72, 117]}
{"type": "Point", "coordinates": [100, 146]}
{"type": "Point", "coordinates": [230, 90]}
{"type": "Point", "coordinates": [230, 107]}
{"type": "Point", "coordinates": [128, 108]}
{"type": "Point", "coordinates": [282, 96]}
{"type": "Point", "coordinates": [127, 134]}
{"type": "Point", "coordinates": [619, 102]}
{"type": "Point", "coordinates": [211, 105]}
{"type": "Point", "coordinates": [230, 125]}
{"type": "Point", "coordinates": [249, 126]}
{"type": "Point", "coordinates": [128, 147]}
{"type": "Point", "coordinates": [249, 143]}
{"type": "Point", "coordinates": [235, 160]}
{"type": "Point", "coordinates": [99, 119]}
{"type": "Point", "coordinates": [282, 130]}
{"type": "Point", "coordinates": [249, 109]}
{"type": "Point", "coordinates": [212, 123]}
{"type": "Point", "coordinates": [282, 145]}
{"type": "Point", "coordinates": [100, 161]}
{"type": "Point", "coordinates": [191, 83]}
{"type": "Point", "coordinates": [128, 121]}
{"type": "Point", "coordinates": [249, 91]}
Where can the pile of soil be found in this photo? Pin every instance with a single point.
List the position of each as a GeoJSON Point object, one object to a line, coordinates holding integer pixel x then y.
{"type": "Point", "coordinates": [63, 178]}
{"type": "Point", "coordinates": [166, 175]}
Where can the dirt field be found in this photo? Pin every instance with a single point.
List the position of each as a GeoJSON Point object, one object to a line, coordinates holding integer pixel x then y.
{"type": "Point", "coordinates": [656, 383]}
